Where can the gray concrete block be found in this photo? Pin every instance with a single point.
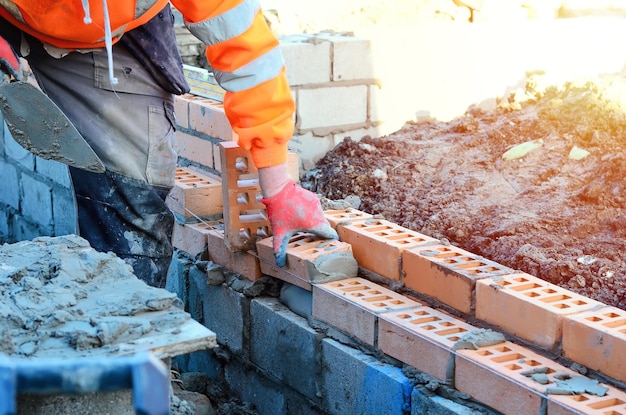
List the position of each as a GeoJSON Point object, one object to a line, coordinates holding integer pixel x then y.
{"type": "Point", "coordinates": [423, 404]}
{"type": "Point", "coordinates": [64, 211]}
{"type": "Point", "coordinates": [218, 308]}
{"type": "Point", "coordinates": [23, 230]}
{"type": "Point", "coordinates": [178, 277]}
{"type": "Point", "coordinates": [16, 152]}
{"type": "Point", "coordinates": [356, 383]}
{"type": "Point", "coordinates": [36, 200]}
{"type": "Point", "coordinates": [55, 171]}
{"type": "Point", "coordinates": [9, 194]}
{"type": "Point", "coordinates": [283, 344]}
{"type": "Point", "coordinates": [267, 398]}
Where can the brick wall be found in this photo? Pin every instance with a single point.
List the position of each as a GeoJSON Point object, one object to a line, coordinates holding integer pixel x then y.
{"type": "Point", "coordinates": [35, 196]}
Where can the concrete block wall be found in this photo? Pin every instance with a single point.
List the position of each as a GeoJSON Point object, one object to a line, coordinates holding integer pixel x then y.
{"type": "Point", "coordinates": [36, 197]}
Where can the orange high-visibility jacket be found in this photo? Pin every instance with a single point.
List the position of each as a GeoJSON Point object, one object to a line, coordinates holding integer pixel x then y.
{"type": "Point", "coordinates": [241, 48]}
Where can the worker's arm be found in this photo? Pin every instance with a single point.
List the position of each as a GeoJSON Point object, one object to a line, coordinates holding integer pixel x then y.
{"type": "Point", "coordinates": [248, 64]}
{"type": "Point", "coordinates": [9, 61]}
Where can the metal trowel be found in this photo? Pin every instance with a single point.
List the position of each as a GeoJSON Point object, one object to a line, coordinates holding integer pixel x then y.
{"type": "Point", "coordinates": [39, 126]}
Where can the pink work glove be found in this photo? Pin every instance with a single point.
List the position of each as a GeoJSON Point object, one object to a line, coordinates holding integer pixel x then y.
{"type": "Point", "coordinates": [9, 61]}
{"type": "Point", "coordinates": [292, 210]}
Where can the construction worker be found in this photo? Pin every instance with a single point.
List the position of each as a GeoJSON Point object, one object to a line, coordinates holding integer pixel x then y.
{"type": "Point", "coordinates": [113, 67]}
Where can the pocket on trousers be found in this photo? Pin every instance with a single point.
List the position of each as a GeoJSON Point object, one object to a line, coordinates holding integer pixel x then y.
{"type": "Point", "coordinates": [162, 158]}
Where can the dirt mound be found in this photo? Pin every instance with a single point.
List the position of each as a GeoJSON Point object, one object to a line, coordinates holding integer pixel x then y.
{"type": "Point", "coordinates": [536, 185]}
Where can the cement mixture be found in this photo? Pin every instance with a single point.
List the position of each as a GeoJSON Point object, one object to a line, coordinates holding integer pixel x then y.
{"type": "Point", "coordinates": [63, 299]}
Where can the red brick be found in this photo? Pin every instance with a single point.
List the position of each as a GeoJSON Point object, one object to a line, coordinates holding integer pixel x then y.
{"type": "Point", "coordinates": [494, 375]}
{"type": "Point", "coordinates": [347, 215]}
{"type": "Point", "coordinates": [447, 273]}
{"type": "Point", "coordinates": [241, 262]}
{"type": "Point", "coordinates": [597, 339]}
{"type": "Point", "coordinates": [422, 338]}
{"type": "Point", "coordinates": [378, 244]}
{"type": "Point", "coordinates": [244, 214]}
{"type": "Point", "coordinates": [195, 195]}
{"type": "Point", "coordinates": [528, 307]}
{"type": "Point", "coordinates": [612, 403]}
{"type": "Point", "coordinates": [309, 260]}
{"type": "Point", "coordinates": [354, 304]}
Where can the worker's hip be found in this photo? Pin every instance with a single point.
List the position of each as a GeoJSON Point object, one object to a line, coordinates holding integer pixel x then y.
{"type": "Point", "coordinates": [130, 125]}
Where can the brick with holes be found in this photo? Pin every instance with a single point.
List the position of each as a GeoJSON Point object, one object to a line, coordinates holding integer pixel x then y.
{"type": "Point", "coordinates": [447, 273]}
{"type": "Point", "coordinates": [528, 307]}
{"type": "Point", "coordinates": [512, 379]}
{"type": "Point", "coordinates": [354, 305]}
{"type": "Point", "coordinates": [432, 335]}
{"type": "Point", "coordinates": [310, 260]}
{"type": "Point", "coordinates": [378, 244]}
{"type": "Point", "coordinates": [195, 195]}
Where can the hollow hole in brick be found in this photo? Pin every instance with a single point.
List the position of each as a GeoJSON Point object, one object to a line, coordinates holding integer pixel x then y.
{"type": "Point", "coordinates": [449, 255]}
{"type": "Point", "coordinates": [484, 353]}
{"type": "Point", "coordinates": [614, 324]}
{"type": "Point", "coordinates": [508, 357]}
{"type": "Point", "coordinates": [492, 269]}
{"type": "Point", "coordinates": [425, 320]}
{"type": "Point", "coordinates": [379, 304]}
{"type": "Point", "coordinates": [403, 316]}
{"type": "Point", "coordinates": [549, 291]}
{"type": "Point", "coordinates": [420, 313]}
{"type": "Point", "coordinates": [594, 319]}
{"type": "Point", "coordinates": [606, 404]}
{"type": "Point", "coordinates": [374, 292]}
{"type": "Point", "coordinates": [446, 324]}
{"type": "Point", "coordinates": [449, 261]}
{"type": "Point", "coordinates": [397, 302]}
{"type": "Point", "coordinates": [502, 349]}
{"type": "Point", "coordinates": [418, 240]}
{"type": "Point", "coordinates": [244, 233]}
{"type": "Point", "coordinates": [380, 230]}
{"type": "Point", "coordinates": [532, 362]}
{"type": "Point", "coordinates": [379, 298]}
{"type": "Point", "coordinates": [398, 237]}
{"type": "Point", "coordinates": [532, 294]}
{"type": "Point", "coordinates": [241, 165]}
{"type": "Point", "coordinates": [526, 287]}
{"type": "Point", "coordinates": [360, 287]}
{"type": "Point", "coordinates": [578, 398]}
{"type": "Point", "coordinates": [357, 294]}
{"type": "Point", "coordinates": [611, 315]}
{"type": "Point", "coordinates": [579, 302]}
{"type": "Point", "coordinates": [454, 338]}
{"type": "Point", "coordinates": [262, 232]}
{"type": "Point", "coordinates": [243, 198]}
{"type": "Point", "coordinates": [520, 279]}
{"type": "Point", "coordinates": [429, 327]}
{"type": "Point", "coordinates": [503, 283]}
{"type": "Point", "coordinates": [475, 271]}
{"type": "Point", "coordinates": [513, 367]}
{"type": "Point", "coordinates": [471, 265]}
{"type": "Point", "coordinates": [561, 306]}
{"type": "Point", "coordinates": [447, 332]}
{"type": "Point", "coordinates": [556, 298]}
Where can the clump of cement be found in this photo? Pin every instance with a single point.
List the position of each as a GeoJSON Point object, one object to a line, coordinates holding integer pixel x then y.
{"type": "Point", "coordinates": [61, 298]}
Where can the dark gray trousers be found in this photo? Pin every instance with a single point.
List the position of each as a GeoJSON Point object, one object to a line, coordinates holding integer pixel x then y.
{"type": "Point", "coordinates": [131, 127]}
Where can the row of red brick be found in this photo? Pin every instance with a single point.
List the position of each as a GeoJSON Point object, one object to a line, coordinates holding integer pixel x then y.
{"type": "Point", "coordinates": [520, 304]}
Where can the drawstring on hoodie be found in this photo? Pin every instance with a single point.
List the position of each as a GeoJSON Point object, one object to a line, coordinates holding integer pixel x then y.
{"type": "Point", "coordinates": [108, 38]}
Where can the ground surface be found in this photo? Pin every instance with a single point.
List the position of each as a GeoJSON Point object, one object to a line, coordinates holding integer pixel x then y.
{"type": "Point", "coordinates": [547, 212]}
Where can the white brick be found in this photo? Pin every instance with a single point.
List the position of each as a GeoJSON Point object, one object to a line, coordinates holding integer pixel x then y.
{"type": "Point", "coordinates": [330, 107]}
{"type": "Point", "coordinates": [307, 60]}
{"type": "Point", "coordinates": [352, 58]}
{"type": "Point", "coordinates": [207, 116]}
{"type": "Point", "coordinates": [194, 148]}
{"type": "Point", "coordinates": [310, 148]}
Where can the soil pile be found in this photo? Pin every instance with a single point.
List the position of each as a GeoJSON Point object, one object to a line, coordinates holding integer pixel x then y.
{"type": "Point", "coordinates": [535, 185]}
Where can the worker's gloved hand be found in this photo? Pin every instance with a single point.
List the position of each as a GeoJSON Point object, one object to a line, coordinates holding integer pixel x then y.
{"type": "Point", "coordinates": [9, 61]}
{"type": "Point", "coordinates": [292, 210]}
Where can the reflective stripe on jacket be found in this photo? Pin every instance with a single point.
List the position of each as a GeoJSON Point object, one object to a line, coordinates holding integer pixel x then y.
{"type": "Point", "coordinates": [240, 48]}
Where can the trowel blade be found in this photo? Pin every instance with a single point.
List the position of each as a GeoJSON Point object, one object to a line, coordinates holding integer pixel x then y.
{"type": "Point", "coordinates": [39, 126]}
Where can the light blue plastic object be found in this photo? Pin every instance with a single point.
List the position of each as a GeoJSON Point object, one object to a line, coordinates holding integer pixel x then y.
{"type": "Point", "coordinates": [146, 375]}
